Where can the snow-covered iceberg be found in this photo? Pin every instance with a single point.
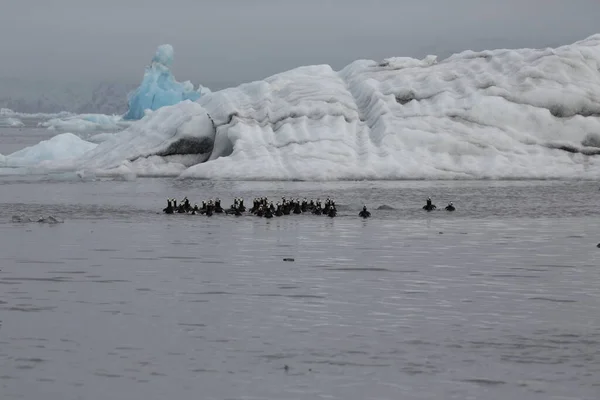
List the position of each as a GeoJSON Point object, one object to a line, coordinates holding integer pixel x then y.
{"type": "Point", "coordinates": [527, 113]}
{"type": "Point", "coordinates": [165, 142]}
{"type": "Point", "coordinates": [62, 148]}
{"type": "Point", "coordinates": [159, 87]}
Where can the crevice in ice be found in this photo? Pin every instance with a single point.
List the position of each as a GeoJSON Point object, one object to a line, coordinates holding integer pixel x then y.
{"type": "Point", "coordinates": [562, 111]}
{"type": "Point", "coordinates": [591, 140]}
{"type": "Point", "coordinates": [557, 110]}
{"type": "Point", "coordinates": [405, 98]}
{"type": "Point", "coordinates": [275, 123]}
{"type": "Point", "coordinates": [573, 149]}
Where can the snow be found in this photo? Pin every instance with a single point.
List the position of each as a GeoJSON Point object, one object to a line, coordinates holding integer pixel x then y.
{"type": "Point", "coordinates": [63, 147]}
{"type": "Point", "coordinates": [159, 87]}
{"type": "Point", "coordinates": [526, 113]}
{"type": "Point", "coordinates": [492, 114]}
{"type": "Point", "coordinates": [166, 131]}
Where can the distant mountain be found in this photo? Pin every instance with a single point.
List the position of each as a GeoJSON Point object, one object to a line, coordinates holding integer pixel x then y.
{"type": "Point", "coordinates": [107, 98]}
{"type": "Point", "coordinates": [50, 97]}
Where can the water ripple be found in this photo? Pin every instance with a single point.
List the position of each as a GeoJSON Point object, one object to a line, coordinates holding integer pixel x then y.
{"type": "Point", "coordinates": [502, 304]}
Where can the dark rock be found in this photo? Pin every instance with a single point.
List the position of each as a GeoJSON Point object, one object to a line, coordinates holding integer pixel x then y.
{"type": "Point", "coordinates": [189, 145]}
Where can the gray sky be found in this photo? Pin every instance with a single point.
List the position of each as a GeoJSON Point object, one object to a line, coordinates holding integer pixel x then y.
{"type": "Point", "coordinates": [223, 42]}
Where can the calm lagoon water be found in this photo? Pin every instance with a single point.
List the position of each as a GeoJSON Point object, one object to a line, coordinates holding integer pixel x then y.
{"type": "Point", "coordinates": [498, 300]}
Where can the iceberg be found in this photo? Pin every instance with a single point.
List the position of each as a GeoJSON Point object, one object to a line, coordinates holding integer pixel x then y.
{"type": "Point", "coordinates": [60, 148]}
{"type": "Point", "coordinates": [7, 112]}
{"type": "Point", "coordinates": [86, 123]}
{"type": "Point", "coordinates": [11, 122]}
{"type": "Point", "coordinates": [494, 114]}
{"type": "Point", "coordinates": [14, 119]}
{"type": "Point", "coordinates": [164, 143]}
{"type": "Point", "coordinates": [159, 87]}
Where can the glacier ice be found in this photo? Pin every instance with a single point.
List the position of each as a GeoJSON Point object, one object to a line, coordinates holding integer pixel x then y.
{"type": "Point", "coordinates": [10, 122]}
{"type": "Point", "coordinates": [526, 113]}
{"type": "Point", "coordinates": [86, 123]}
{"type": "Point", "coordinates": [60, 148]}
{"type": "Point", "coordinates": [490, 114]}
{"type": "Point", "coordinates": [159, 87]}
{"type": "Point", "coordinates": [165, 142]}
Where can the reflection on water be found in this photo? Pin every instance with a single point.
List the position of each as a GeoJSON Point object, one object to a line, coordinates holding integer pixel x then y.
{"type": "Point", "coordinates": [495, 301]}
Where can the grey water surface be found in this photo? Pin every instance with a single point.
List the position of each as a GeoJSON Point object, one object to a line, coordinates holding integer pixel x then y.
{"type": "Point", "coordinates": [498, 300]}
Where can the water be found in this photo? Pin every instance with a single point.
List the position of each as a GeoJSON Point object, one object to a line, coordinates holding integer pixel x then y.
{"type": "Point", "coordinates": [498, 300]}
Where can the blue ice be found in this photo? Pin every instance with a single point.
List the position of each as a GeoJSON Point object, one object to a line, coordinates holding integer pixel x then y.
{"type": "Point", "coordinates": [159, 87]}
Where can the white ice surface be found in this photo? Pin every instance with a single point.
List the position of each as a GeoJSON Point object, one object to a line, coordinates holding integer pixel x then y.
{"type": "Point", "coordinates": [152, 135]}
{"type": "Point", "coordinates": [86, 123]}
{"type": "Point", "coordinates": [489, 114]}
{"type": "Point", "coordinates": [60, 148]}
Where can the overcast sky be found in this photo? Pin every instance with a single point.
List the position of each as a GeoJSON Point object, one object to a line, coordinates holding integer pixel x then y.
{"type": "Point", "coordinates": [222, 42]}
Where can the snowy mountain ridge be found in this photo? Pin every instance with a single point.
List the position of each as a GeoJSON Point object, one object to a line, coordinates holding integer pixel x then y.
{"type": "Point", "coordinates": [33, 97]}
